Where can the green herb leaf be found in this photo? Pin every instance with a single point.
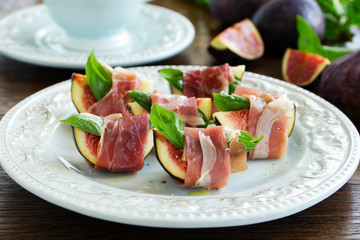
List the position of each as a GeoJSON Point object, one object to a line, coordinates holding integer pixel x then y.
{"type": "Point", "coordinates": [168, 124]}
{"type": "Point", "coordinates": [85, 121]}
{"type": "Point", "coordinates": [339, 15]}
{"type": "Point", "coordinates": [249, 141]}
{"type": "Point", "coordinates": [309, 41]}
{"type": "Point", "coordinates": [173, 76]}
{"type": "Point", "coordinates": [99, 77]}
{"type": "Point", "coordinates": [225, 102]}
{"type": "Point", "coordinates": [206, 120]}
{"type": "Point", "coordinates": [143, 99]}
{"type": "Point", "coordinates": [233, 85]}
{"type": "Point", "coordinates": [353, 12]}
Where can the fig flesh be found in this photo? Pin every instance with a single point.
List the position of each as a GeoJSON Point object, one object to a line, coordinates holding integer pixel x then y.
{"type": "Point", "coordinates": [240, 41]}
{"type": "Point", "coordinates": [232, 119]}
{"type": "Point", "coordinates": [170, 157]}
{"type": "Point", "coordinates": [302, 68]}
{"type": "Point", "coordinates": [340, 84]}
{"type": "Point", "coordinates": [276, 22]}
{"type": "Point", "coordinates": [81, 94]}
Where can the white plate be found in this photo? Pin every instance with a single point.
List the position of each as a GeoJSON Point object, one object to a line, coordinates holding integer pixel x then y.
{"type": "Point", "coordinates": [39, 154]}
{"type": "Point", "coordinates": [31, 36]}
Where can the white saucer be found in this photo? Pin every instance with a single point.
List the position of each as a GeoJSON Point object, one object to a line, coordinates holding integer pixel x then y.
{"type": "Point", "coordinates": [30, 35]}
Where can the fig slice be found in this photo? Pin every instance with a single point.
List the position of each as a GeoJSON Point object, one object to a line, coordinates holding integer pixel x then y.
{"type": "Point", "coordinates": [81, 94]}
{"type": "Point", "coordinates": [233, 119]}
{"type": "Point", "coordinates": [242, 39]}
{"type": "Point", "coordinates": [302, 68]}
{"type": "Point", "coordinates": [169, 156]}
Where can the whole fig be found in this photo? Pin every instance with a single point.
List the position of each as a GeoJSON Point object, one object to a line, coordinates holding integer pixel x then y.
{"type": "Point", "coordinates": [232, 11]}
{"type": "Point", "coordinates": [340, 84]}
{"type": "Point", "coordinates": [276, 22]}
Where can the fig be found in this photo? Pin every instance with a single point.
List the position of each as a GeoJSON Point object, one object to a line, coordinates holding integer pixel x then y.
{"type": "Point", "coordinates": [340, 84]}
{"type": "Point", "coordinates": [81, 94]}
{"type": "Point", "coordinates": [87, 144]}
{"type": "Point", "coordinates": [229, 12]}
{"type": "Point", "coordinates": [232, 119]}
{"type": "Point", "coordinates": [276, 22]}
{"type": "Point", "coordinates": [302, 68]}
{"type": "Point", "coordinates": [170, 157]}
{"type": "Point", "coordinates": [240, 41]}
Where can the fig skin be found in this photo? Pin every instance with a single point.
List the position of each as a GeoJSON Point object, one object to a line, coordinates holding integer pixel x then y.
{"type": "Point", "coordinates": [340, 84]}
{"type": "Point", "coordinates": [229, 12]}
{"type": "Point", "coordinates": [276, 22]}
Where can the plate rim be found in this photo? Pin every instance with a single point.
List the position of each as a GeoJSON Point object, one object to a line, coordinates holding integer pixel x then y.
{"type": "Point", "coordinates": [156, 221]}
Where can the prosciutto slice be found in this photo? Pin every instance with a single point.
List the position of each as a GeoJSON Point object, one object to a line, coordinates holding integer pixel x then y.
{"type": "Point", "coordinates": [184, 107]}
{"type": "Point", "coordinates": [273, 123]}
{"type": "Point", "coordinates": [247, 92]}
{"type": "Point", "coordinates": [202, 83]}
{"type": "Point", "coordinates": [208, 158]}
{"type": "Point", "coordinates": [122, 144]}
{"type": "Point", "coordinates": [116, 100]}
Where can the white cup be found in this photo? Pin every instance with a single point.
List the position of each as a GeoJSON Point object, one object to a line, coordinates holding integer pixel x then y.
{"type": "Point", "coordinates": [94, 23]}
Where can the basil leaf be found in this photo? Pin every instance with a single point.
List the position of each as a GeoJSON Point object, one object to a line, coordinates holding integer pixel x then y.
{"type": "Point", "coordinates": [99, 77]}
{"type": "Point", "coordinates": [233, 85]}
{"type": "Point", "coordinates": [168, 124]}
{"type": "Point", "coordinates": [340, 16]}
{"type": "Point", "coordinates": [309, 41]}
{"type": "Point", "coordinates": [173, 76]}
{"type": "Point", "coordinates": [85, 121]}
{"type": "Point", "coordinates": [225, 102]}
{"type": "Point", "coordinates": [206, 120]}
{"type": "Point", "coordinates": [143, 99]}
{"type": "Point", "coordinates": [353, 13]}
{"type": "Point", "coordinates": [249, 141]}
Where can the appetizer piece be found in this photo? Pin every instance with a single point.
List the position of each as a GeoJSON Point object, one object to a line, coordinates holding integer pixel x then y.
{"type": "Point", "coordinates": [197, 157]}
{"type": "Point", "coordinates": [202, 83]}
{"type": "Point", "coordinates": [103, 90]}
{"type": "Point", "coordinates": [114, 143]}
{"type": "Point", "coordinates": [259, 113]}
{"type": "Point", "coordinates": [192, 112]}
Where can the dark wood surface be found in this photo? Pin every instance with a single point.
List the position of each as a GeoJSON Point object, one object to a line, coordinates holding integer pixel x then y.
{"type": "Point", "coordinates": [25, 216]}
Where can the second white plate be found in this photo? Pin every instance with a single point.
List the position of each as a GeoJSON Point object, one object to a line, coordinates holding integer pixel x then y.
{"type": "Point", "coordinates": [31, 36]}
{"type": "Point", "coordinates": [39, 153]}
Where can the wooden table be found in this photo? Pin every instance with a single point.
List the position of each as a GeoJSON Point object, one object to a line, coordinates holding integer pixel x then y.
{"type": "Point", "coordinates": [23, 215]}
